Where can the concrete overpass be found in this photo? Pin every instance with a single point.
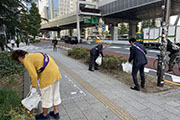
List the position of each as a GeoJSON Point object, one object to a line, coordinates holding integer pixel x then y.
{"type": "Point", "coordinates": [117, 11]}
{"type": "Point", "coordinates": [63, 22]}
{"type": "Point", "coordinates": [135, 9]}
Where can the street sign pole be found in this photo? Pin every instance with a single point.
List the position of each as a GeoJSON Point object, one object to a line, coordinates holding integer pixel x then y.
{"type": "Point", "coordinates": [161, 58]}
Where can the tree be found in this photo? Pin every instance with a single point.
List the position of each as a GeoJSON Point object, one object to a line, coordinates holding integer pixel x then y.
{"type": "Point", "coordinates": [10, 14]}
{"type": "Point", "coordinates": [34, 21]}
{"type": "Point", "coordinates": [122, 29]}
{"type": "Point", "coordinates": [148, 23]}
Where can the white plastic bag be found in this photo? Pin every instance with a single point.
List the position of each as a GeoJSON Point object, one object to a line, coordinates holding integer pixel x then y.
{"type": "Point", "coordinates": [99, 60]}
{"type": "Point", "coordinates": [31, 102]}
{"type": "Point", "coordinates": [127, 67]}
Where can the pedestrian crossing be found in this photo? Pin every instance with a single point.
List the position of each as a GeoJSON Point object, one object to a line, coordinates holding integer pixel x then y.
{"type": "Point", "coordinates": [31, 47]}
{"type": "Point", "coordinates": [128, 48]}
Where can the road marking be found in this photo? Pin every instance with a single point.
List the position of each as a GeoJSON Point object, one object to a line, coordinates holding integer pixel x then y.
{"type": "Point", "coordinates": [114, 47]}
{"type": "Point", "coordinates": [154, 51]}
{"type": "Point", "coordinates": [70, 80]}
{"type": "Point", "coordinates": [118, 111]}
{"type": "Point", "coordinates": [74, 94]}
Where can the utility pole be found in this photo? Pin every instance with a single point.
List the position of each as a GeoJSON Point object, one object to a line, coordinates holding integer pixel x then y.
{"type": "Point", "coordinates": [161, 58]}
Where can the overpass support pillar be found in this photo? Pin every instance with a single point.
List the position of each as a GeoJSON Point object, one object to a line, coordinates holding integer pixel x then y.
{"type": "Point", "coordinates": [59, 33]}
{"type": "Point", "coordinates": [70, 32]}
{"type": "Point", "coordinates": [114, 32]}
{"type": "Point", "coordinates": [132, 29]}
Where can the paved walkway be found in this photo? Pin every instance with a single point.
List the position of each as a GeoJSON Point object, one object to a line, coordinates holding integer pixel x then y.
{"type": "Point", "coordinates": [96, 96]}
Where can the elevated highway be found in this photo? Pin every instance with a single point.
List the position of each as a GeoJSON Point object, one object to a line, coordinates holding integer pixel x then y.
{"type": "Point", "coordinates": [116, 11]}
{"type": "Point", "coordinates": [135, 9]}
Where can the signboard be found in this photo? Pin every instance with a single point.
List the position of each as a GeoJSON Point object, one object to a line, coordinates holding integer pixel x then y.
{"type": "Point", "coordinates": [93, 20]}
{"type": "Point", "coordinates": [86, 20]}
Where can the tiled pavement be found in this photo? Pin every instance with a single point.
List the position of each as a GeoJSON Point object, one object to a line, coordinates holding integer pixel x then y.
{"type": "Point", "coordinates": [96, 96]}
{"type": "Point", "coordinates": [80, 103]}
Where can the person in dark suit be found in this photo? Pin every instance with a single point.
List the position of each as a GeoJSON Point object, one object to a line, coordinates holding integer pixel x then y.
{"type": "Point", "coordinates": [94, 53]}
{"type": "Point", "coordinates": [137, 55]}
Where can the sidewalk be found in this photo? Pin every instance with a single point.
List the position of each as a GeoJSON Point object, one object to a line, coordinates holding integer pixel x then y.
{"type": "Point", "coordinates": [95, 96]}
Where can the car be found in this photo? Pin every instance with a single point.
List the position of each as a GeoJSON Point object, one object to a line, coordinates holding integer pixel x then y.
{"type": "Point", "coordinates": [74, 40]}
{"type": "Point", "coordinates": [66, 39]}
{"type": "Point", "coordinates": [93, 38]}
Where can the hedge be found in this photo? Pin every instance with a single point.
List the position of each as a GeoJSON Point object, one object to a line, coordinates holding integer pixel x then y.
{"type": "Point", "coordinates": [110, 62]}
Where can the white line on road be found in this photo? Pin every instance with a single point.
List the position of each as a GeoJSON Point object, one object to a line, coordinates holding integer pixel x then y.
{"type": "Point", "coordinates": [114, 47]}
{"type": "Point", "coordinates": [154, 51]}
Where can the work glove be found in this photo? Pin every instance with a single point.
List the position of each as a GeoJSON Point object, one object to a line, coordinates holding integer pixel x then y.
{"type": "Point", "coordinates": [33, 90]}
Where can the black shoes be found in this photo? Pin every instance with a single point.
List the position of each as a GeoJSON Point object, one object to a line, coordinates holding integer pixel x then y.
{"type": "Point", "coordinates": [96, 69]}
{"type": "Point", "coordinates": [91, 70]}
{"type": "Point", "coordinates": [142, 86]}
{"type": "Point", "coordinates": [55, 116]}
{"type": "Point", "coordinates": [135, 88]}
{"type": "Point", "coordinates": [42, 117]}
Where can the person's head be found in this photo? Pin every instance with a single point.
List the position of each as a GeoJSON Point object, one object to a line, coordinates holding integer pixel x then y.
{"type": "Point", "coordinates": [18, 55]}
{"type": "Point", "coordinates": [101, 46]}
{"type": "Point", "coordinates": [132, 41]}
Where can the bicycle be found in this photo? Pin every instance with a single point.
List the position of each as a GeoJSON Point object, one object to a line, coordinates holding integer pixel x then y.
{"type": "Point", "coordinates": [176, 64]}
{"type": "Point", "coordinates": [54, 48]}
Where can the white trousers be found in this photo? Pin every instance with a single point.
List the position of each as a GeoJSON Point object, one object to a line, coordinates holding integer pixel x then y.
{"type": "Point", "coordinates": [50, 95]}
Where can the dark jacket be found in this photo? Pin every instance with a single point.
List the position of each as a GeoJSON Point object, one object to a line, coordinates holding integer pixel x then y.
{"type": "Point", "coordinates": [95, 51]}
{"type": "Point", "coordinates": [54, 42]}
{"type": "Point", "coordinates": [169, 47]}
{"type": "Point", "coordinates": [137, 56]}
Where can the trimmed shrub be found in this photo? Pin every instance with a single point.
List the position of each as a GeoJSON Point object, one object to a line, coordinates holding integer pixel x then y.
{"type": "Point", "coordinates": [113, 62]}
{"type": "Point", "coordinates": [7, 66]}
{"type": "Point", "coordinates": [78, 53]}
{"type": "Point", "coordinates": [110, 62]}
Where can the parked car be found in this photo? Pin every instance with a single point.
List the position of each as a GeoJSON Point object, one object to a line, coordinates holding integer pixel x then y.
{"type": "Point", "coordinates": [66, 39]}
{"type": "Point", "coordinates": [93, 38]}
{"type": "Point", "coordinates": [74, 40]}
{"type": "Point", "coordinates": [70, 40]}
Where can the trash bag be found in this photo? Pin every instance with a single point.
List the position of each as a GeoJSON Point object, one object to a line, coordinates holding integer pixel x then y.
{"type": "Point", "coordinates": [127, 67]}
{"type": "Point", "coordinates": [99, 60]}
{"type": "Point", "coordinates": [31, 101]}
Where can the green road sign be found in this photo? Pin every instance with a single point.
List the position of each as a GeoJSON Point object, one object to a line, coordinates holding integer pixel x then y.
{"type": "Point", "coordinates": [93, 20]}
{"type": "Point", "coordinates": [86, 20]}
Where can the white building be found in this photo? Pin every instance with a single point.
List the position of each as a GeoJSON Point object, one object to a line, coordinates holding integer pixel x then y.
{"type": "Point", "coordinates": [66, 7]}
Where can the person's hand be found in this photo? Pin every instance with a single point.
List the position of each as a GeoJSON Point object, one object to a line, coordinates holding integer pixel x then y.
{"type": "Point", "coordinates": [33, 90]}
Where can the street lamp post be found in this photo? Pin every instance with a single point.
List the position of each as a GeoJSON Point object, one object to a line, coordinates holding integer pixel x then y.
{"type": "Point", "coordinates": [161, 58]}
